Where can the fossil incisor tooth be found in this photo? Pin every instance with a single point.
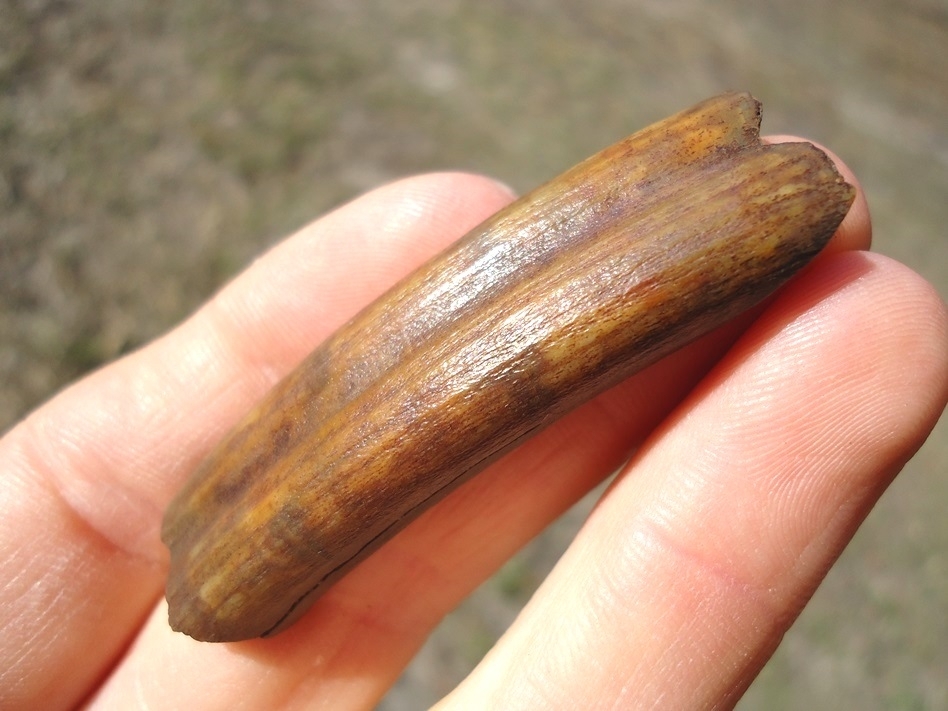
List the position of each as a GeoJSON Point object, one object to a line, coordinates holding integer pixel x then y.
{"type": "Point", "coordinates": [586, 280]}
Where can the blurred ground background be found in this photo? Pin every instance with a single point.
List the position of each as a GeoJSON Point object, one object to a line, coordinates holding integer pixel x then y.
{"type": "Point", "coordinates": [149, 150]}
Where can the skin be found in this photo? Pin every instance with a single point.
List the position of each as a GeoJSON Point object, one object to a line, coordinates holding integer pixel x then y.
{"type": "Point", "coordinates": [674, 593]}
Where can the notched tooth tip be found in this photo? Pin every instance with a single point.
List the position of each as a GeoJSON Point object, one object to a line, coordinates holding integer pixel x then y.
{"type": "Point", "coordinates": [822, 168]}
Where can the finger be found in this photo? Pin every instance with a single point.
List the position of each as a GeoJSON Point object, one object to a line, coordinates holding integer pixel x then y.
{"type": "Point", "coordinates": [357, 638]}
{"type": "Point", "coordinates": [701, 555]}
{"type": "Point", "coordinates": [86, 477]}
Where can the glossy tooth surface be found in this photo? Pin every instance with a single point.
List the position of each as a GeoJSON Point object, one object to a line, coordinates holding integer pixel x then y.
{"type": "Point", "coordinates": [621, 260]}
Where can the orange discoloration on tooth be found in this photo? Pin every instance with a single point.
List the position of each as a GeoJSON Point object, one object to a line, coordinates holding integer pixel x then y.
{"type": "Point", "coordinates": [599, 273]}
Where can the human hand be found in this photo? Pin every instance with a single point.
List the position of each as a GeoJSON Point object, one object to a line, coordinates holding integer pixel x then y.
{"type": "Point", "coordinates": [746, 483]}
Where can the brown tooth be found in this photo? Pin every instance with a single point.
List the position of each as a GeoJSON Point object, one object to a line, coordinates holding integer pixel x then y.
{"type": "Point", "coordinates": [595, 275]}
